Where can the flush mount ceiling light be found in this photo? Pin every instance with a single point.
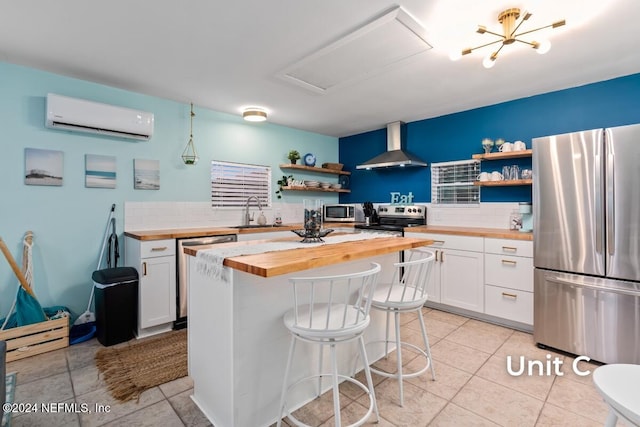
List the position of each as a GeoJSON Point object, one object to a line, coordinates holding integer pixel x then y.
{"type": "Point", "coordinates": [254, 114]}
{"type": "Point", "coordinates": [508, 19]}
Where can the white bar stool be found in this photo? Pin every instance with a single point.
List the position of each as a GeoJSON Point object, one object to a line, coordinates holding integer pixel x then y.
{"type": "Point", "coordinates": [618, 386]}
{"type": "Point", "coordinates": [406, 293]}
{"type": "Point", "coordinates": [331, 310]}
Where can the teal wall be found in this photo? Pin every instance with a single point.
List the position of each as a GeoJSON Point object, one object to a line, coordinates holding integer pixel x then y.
{"type": "Point", "coordinates": [69, 221]}
{"type": "Point", "coordinates": [458, 136]}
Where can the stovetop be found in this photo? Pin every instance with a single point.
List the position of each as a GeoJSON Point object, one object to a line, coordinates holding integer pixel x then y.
{"type": "Point", "coordinates": [397, 217]}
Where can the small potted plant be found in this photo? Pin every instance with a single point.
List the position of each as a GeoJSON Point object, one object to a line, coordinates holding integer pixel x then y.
{"type": "Point", "coordinates": [293, 156]}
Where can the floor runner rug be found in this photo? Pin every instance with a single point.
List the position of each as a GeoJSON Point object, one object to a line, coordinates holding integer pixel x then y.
{"type": "Point", "coordinates": [143, 364]}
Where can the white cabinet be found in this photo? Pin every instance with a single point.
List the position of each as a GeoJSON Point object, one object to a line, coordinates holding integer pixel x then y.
{"type": "Point", "coordinates": [509, 279]}
{"type": "Point", "coordinates": [155, 261]}
{"type": "Point", "coordinates": [458, 274]}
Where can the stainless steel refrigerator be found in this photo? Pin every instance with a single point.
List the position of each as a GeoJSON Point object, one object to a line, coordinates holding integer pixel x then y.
{"type": "Point", "coordinates": [586, 203]}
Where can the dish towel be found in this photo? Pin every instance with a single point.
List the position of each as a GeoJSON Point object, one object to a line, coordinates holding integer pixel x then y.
{"type": "Point", "coordinates": [210, 261]}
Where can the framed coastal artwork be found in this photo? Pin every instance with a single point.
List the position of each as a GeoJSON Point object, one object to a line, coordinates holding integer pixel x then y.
{"type": "Point", "coordinates": [99, 171]}
{"type": "Point", "coordinates": [146, 174]}
{"type": "Point", "coordinates": [43, 167]}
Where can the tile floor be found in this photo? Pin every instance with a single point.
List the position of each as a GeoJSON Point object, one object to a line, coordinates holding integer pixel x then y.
{"type": "Point", "coordinates": [472, 386]}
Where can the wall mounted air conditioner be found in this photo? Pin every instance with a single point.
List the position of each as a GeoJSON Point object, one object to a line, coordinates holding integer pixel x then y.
{"type": "Point", "coordinates": [87, 116]}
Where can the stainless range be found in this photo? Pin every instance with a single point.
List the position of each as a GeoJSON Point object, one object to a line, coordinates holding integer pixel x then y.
{"type": "Point", "coordinates": [394, 218]}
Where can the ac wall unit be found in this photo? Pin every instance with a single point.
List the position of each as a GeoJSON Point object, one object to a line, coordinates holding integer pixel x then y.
{"type": "Point", "coordinates": [87, 116]}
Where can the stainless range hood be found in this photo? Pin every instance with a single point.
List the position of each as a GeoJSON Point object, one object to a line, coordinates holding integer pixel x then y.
{"type": "Point", "coordinates": [395, 156]}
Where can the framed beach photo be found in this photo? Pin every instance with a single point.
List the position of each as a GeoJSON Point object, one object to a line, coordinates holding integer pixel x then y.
{"type": "Point", "coordinates": [43, 167]}
{"type": "Point", "coordinates": [146, 174]}
{"type": "Point", "coordinates": [99, 171]}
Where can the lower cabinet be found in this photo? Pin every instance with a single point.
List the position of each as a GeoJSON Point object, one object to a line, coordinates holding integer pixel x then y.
{"type": "Point", "coordinates": [461, 282]}
{"type": "Point", "coordinates": [155, 261]}
{"type": "Point", "coordinates": [457, 277]}
{"type": "Point", "coordinates": [509, 279]}
{"type": "Point", "coordinates": [482, 275]}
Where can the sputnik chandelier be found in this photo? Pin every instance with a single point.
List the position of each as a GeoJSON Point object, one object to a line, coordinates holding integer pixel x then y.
{"type": "Point", "coordinates": [508, 19]}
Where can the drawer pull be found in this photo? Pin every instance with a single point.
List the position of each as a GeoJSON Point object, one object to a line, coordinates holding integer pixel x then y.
{"type": "Point", "coordinates": [144, 268]}
{"type": "Point", "coordinates": [508, 295]}
{"type": "Point", "coordinates": [509, 249]}
{"type": "Point", "coordinates": [159, 249]}
{"type": "Point", "coordinates": [509, 262]}
{"type": "Point", "coordinates": [438, 242]}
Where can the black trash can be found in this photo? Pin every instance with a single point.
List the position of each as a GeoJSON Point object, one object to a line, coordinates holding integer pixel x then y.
{"type": "Point", "coordinates": [116, 293]}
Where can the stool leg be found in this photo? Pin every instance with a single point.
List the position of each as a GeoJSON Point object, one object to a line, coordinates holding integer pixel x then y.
{"type": "Point", "coordinates": [336, 392]}
{"type": "Point", "coordinates": [426, 343]}
{"type": "Point", "coordinates": [367, 374]}
{"type": "Point", "coordinates": [386, 338]}
{"type": "Point", "coordinates": [285, 381]}
{"type": "Point", "coordinates": [612, 419]}
{"type": "Point", "coordinates": [320, 356]}
{"type": "Point", "coordinates": [399, 355]}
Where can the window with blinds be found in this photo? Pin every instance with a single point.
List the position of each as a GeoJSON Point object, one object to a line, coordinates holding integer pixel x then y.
{"type": "Point", "coordinates": [452, 183]}
{"type": "Point", "coordinates": [233, 183]}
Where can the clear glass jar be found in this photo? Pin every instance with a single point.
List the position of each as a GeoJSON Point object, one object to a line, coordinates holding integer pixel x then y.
{"type": "Point", "coordinates": [312, 217]}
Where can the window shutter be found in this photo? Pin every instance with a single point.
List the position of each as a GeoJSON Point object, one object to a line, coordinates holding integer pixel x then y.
{"type": "Point", "coordinates": [452, 183]}
{"type": "Point", "coordinates": [233, 183]}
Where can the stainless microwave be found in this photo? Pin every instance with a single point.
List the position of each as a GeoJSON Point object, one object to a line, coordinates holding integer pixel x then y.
{"type": "Point", "coordinates": [339, 213]}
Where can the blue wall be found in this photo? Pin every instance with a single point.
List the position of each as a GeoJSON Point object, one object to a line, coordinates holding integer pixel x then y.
{"type": "Point", "coordinates": [457, 136]}
{"type": "Point", "coordinates": [69, 221]}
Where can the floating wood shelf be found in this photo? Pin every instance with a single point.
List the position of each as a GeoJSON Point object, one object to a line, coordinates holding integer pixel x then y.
{"type": "Point", "coordinates": [330, 190]}
{"type": "Point", "coordinates": [503, 183]}
{"type": "Point", "coordinates": [507, 155]}
{"type": "Point", "coordinates": [314, 169]}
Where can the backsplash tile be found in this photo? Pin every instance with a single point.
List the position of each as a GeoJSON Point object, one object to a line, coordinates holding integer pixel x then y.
{"type": "Point", "coordinates": [139, 216]}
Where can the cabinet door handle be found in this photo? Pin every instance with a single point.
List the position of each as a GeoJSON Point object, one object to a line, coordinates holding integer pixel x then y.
{"type": "Point", "coordinates": [509, 249]}
{"type": "Point", "coordinates": [508, 295]}
{"type": "Point", "coordinates": [442, 256]}
{"type": "Point", "coordinates": [437, 256]}
{"type": "Point", "coordinates": [159, 249]}
{"type": "Point", "coordinates": [509, 262]}
{"type": "Point", "coordinates": [144, 268]}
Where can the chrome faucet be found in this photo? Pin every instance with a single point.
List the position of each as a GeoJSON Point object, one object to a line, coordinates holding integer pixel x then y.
{"type": "Point", "coordinates": [248, 218]}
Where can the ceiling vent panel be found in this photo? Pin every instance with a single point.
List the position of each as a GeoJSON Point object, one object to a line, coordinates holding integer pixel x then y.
{"type": "Point", "coordinates": [369, 50]}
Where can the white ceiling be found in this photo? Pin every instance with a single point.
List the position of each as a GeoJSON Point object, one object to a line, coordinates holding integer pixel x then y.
{"type": "Point", "coordinates": [226, 55]}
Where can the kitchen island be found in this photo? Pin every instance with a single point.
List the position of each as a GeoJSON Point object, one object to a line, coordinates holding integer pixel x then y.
{"type": "Point", "coordinates": [237, 341]}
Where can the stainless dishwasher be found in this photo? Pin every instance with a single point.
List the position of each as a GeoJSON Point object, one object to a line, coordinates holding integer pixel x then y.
{"type": "Point", "coordinates": [182, 272]}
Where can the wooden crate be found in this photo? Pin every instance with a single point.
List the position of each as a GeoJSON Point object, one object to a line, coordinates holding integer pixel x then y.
{"type": "Point", "coordinates": [26, 341]}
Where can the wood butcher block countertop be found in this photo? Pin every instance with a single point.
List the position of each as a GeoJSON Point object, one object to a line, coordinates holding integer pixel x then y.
{"type": "Point", "coordinates": [275, 263]}
{"type": "Point", "coordinates": [181, 233]}
{"type": "Point", "coordinates": [496, 233]}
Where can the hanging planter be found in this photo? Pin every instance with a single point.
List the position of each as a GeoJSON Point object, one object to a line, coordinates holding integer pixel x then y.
{"type": "Point", "coordinates": [189, 155]}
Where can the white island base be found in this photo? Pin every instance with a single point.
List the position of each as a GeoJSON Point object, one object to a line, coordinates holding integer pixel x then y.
{"type": "Point", "coordinates": [238, 343]}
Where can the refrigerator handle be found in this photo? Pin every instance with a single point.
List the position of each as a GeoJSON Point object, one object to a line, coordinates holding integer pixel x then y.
{"type": "Point", "coordinates": [599, 191]}
{"type": "Point", "coordinates": [610, 226]}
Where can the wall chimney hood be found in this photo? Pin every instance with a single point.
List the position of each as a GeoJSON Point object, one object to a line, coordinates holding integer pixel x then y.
{"type": "Point", "coordinates": [395, 156]}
